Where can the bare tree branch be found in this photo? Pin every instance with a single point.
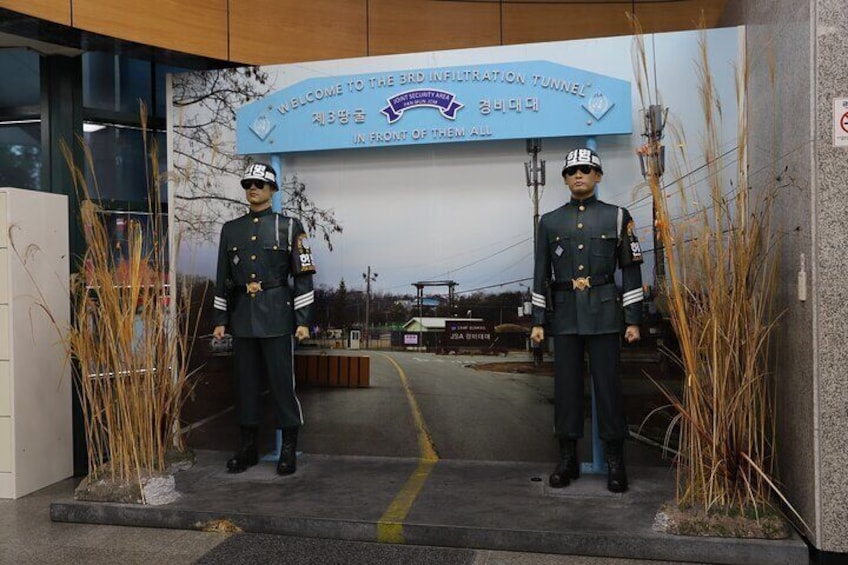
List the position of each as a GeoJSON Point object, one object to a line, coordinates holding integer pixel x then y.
{"type": "Point", "coordinates": [207, 167]}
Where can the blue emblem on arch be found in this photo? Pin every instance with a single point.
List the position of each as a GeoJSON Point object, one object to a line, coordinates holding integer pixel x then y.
{"type": "Point", "coordinates": [444, 101]}
{"type": "Point", "coordinates": [262, 126]}
{"type": "Point", "coordinates": [598, 105]}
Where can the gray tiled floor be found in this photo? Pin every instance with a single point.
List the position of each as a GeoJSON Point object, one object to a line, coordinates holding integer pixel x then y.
{"type": "Point", "coordinates": [27, 535]}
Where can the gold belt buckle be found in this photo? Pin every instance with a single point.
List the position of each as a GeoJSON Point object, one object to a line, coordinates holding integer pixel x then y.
{"type": "Point", "coordinates": [253, 287]}
{"type": "Point", "coordinates": [581, 283]}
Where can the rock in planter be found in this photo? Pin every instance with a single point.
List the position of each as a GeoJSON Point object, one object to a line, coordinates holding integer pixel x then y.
{"type": "Point", "coordinates": [177, 461]}
{"type": "Point", "coordinates": [153, 488]}
{"type": "Point", "coordinates": [670, 519]}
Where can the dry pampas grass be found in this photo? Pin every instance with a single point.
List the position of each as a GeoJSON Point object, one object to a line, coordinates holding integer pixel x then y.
{"type": "Point", "coordinates": [719, 287]}
{"type": "Point", "coordinates": [129, 339]}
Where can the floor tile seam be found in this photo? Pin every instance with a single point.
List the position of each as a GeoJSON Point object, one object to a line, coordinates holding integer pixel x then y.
{"type": "Point", "coordinates": [607, 544]}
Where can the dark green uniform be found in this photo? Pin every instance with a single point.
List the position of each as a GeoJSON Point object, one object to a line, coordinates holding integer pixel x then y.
{"type": "Point", "coordinates": [258, 254]}
{"type": "Point", "coordinates": [579, 247]}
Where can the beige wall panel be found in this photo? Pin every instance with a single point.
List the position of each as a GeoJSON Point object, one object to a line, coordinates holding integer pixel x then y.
{"type": "Point", "coordinates": [5, 330]}
{"type": "Point", "coordinates": [3, 227]}
{"type": "Point", "coordinates": [4, 275]}
{"type": "Point", "coordinates": [286, 31]}
{"type": "Point", "coordinates": [530, 23]}
{"type": "Point", "coordinates": [402, 26]}
{"type": "Point", "coordinates": [191, 26]}
{"type": "Point", "coordinates": [5, 444]}
{"type": "Point", "coordinates": [5, 389]}
{"type": "Point", "coordinates": [58, 11]}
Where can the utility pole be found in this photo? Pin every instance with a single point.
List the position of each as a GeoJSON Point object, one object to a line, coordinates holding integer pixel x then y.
{"type": "Point", "coordinates": [368, 279]}
{"type": "Point", "coordinates": [652, 163]}
{"type": "Point", "coordinates": [534, 171]}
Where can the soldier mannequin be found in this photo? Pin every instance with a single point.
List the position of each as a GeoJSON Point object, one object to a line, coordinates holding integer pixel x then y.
{"type": "Point", "coordinates": [257, 254]}
{"type": "Point", "coordinates": [580, 244]}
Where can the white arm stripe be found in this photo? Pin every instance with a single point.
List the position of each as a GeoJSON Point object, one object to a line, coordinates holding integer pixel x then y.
{"type": "Point", "coordinates": [538, 300]}
{"type": "Point", "coordinates": [304, 300]}
{"type": "Point", "coordinates": [633, 293]}
{"type": "Point", "coordinates": [220, 303]}
{"type": "Point", "coordinates": [619, 220]}
{"type": "Point", "coordinates": [632, 297]}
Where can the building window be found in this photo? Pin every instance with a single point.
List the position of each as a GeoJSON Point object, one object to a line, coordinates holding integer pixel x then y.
{"type": "Point", "coordinates": [113, 86]}
{"type": "Point", "coordinates": [24, 89]}
{"type": "Point", "coordinates": [113, 83]}
{"type": "Point", "coordinates": [120, 164]}
{"type": "Point", "coordinates": [20, 154]}
{"type": "Point", "coordinates": [20, 123]}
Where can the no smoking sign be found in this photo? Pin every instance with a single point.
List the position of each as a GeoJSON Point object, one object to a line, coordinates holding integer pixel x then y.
{"type": "Point", "coordinates": [840, 122]}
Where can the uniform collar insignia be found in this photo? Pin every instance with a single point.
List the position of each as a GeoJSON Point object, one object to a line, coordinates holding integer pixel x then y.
{"type": "Point", "coordinates": [264, 212]}
{"type": "Point", "coordinates": [589, 200]}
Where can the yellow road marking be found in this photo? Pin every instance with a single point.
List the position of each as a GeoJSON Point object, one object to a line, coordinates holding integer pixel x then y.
{"type": "Point", "coordinates": [390, 525]}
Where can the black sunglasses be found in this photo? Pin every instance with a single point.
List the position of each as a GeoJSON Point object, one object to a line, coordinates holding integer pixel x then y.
{"type": "Point", "coordinates": [246, 184]}
{"type": "Point", "coordinates": [585, 169]}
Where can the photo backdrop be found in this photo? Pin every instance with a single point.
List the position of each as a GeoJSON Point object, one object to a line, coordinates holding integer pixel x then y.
{"type": "Point", "coordinates": [458, 211]}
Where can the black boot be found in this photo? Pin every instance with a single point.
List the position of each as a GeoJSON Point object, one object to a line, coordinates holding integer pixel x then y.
{"type": "Point", "coordinates": [568, 467]}
{"type": "Point", "coordinates": [616, 473]}
{"type": "Point", "coordinates": [288, 452]}
{"type": "Point", "coordinates": [247, 455]}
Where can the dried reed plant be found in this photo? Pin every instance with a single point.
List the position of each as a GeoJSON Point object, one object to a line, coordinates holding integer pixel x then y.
{"type": "Point", "coordinates": [130, 340]}
{"type": "Point", "coordinates": [719, 291]}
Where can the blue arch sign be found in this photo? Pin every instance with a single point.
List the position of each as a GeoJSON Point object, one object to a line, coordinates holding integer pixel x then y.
{"type": "Point", "coordinates": [435, 105]}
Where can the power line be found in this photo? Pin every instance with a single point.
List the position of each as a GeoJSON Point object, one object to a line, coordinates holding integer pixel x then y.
{"type": "Point", "coordinates": [495, 285]}
{"type": "Point", "coordinates": [452, 271]}
{"type": "Point", "coordinates": [639, 202]}
{"type": "Point", "coordinates": [465, 252]}
{"type": "Point", "coordinates": [524, 258]}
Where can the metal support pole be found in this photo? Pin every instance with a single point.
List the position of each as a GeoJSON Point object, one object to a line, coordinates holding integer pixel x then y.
{"type": "Point", "coordinates": [534, 171]}
{"type": "Point", "coordinates": [597, 465]}
{"type": "Point", "coordinates": [420, 317]}
{"type": "Point", "coordinates": [277, 206]}
{"type": "Point", "coordinates": [653, 168]}
{"type": "Point", "coordinates": [367, 306]}
{"type": "Point", "coordinates": [277, 197]}
{"type": "Point", "coordinates": [61, 119]}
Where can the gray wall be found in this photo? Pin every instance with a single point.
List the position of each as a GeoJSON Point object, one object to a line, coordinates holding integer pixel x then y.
{"type": "Point", "coordinates": [797, 53]}
{"type": "Point", "coordinates": [831, 210]}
